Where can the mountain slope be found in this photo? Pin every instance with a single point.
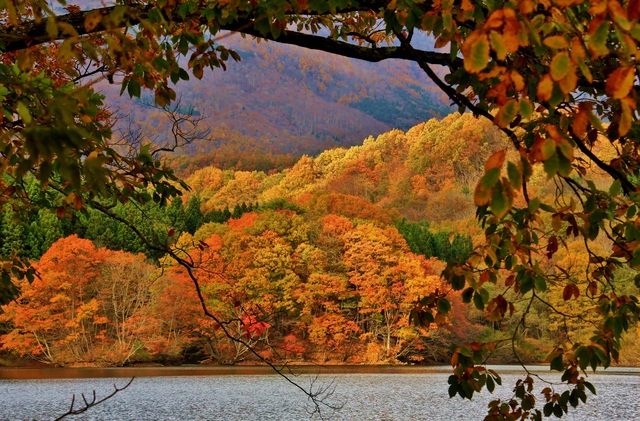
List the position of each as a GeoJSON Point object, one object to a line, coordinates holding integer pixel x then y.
{"type": "Point", "coordinates": [285, 99]}
{"type": "Point", "coordinates": [427, 173]}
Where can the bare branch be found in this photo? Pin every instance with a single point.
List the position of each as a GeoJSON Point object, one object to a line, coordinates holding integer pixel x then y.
{"type": "Point", "coordinates": [184, 127]}
{"type": "Point", "coordinates": [88, 404]}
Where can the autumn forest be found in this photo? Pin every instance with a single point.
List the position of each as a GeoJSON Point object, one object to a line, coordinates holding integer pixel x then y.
{"type": "Point", "coordinates": [321, 262]}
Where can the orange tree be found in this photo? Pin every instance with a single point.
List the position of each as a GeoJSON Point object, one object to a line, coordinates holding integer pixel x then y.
{"type": "Point", "coordinates": [559, 77]}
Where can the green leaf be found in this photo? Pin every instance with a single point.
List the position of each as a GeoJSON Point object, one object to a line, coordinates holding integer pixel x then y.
{"type": "Point", "coordinates": [444, 306]}
{"type": "Point", "coordinates": [598, 38]}
{"type": "Point", "coordinates": [478, 301]}
{"type": "Point", "coordinates": [23, 112]}
{"type": "Point", "coordinates": [591, 388]}
{"type": "Point", "coordinates": [526, 108]}
{"type": "Point", "coordinates": [133, 88]}
{"type": "Point", "coordinates": [507, 113]}
{"type": "Point", "coordinates": [476, 52]}
{"type": "Point", "coordinates": [552, 165]}
{"type": "Point", "coordinates": [560, 66]}
{"type": "Point", "coordinates": [500, 203]}
{"type": "Point", "coordinates": [548, 409]}
{"type": "Point", "coordinates": [498, 44]}
{"type": "Point", "coordinates": [514, 175]}
{"type": "Point", "coordinates": [490, 178]}
{"type": "Point", "coordinates": [453, 390]}
{"type": "Point", "coordinates": [490, 384]}
{"type": "Point", "coordinates": [616, 188]}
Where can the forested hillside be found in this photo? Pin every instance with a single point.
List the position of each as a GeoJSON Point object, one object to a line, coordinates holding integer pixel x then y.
{"type": "Point", "coordinates": [320, 262]}
{"type": "Point", "coordinates": [289, 101]}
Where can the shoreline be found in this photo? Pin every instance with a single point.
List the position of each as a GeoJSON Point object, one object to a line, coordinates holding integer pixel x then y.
{"type": "Point", "coordinates": [25, 373]}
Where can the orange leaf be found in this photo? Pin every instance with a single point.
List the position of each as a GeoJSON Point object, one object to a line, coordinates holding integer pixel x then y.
{"type": "Point", "coordinates": [626, 118]}
{"type": "Point", "coordinates": [482, 195]}
{"type": "Point", "coordinates": [556, 42]}
{"type": "Point", "coordinates": [526, 6]}
{"type": "Point", "coordinates": [620, 82]}
{"type": "Point", "coordinates": [543, 149]}
{"type": "Point", "coordinates": [517, 80]}
{"type": "Point", "coordinates": [545, 88]}
{"type": "Point", "coordinates": [569, 82]}
{"type": "Point", "coordinates": [496, 160]}
{"type": "Point", "coordinates": [580, 122]}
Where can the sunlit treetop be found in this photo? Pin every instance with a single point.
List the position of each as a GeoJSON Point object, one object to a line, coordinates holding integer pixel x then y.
{"type": "Point", "coordinates": [560, 78]}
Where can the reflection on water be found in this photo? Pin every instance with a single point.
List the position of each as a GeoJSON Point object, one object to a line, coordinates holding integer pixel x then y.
{"type": "Point", "coordinates": [366, 396]}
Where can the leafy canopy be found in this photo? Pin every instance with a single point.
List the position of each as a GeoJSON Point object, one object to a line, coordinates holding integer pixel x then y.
{"type": "Point", "coordinates": [559, 77]}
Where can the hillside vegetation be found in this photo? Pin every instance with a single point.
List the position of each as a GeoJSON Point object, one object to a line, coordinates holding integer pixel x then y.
{"type": "Point", "coordinates": [320, 262]}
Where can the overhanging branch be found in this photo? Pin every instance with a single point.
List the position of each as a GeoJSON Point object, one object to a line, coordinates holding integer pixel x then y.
{"type": "Point", "coordinates": [345, 49]}
{"type": "Point", "coordinates": [33, 33]}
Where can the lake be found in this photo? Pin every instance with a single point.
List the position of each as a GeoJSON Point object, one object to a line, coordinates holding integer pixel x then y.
{"type": "Point", "coordinates": [378, 393]}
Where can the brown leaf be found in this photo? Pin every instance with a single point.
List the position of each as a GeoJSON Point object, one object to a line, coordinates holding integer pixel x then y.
{"type": "Point", "coordinates": [552, 246]}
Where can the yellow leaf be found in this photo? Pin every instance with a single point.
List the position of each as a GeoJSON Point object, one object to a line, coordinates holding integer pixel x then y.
{"type": "Point", "coordinates": [560, 66]}
{"type": "Point", "coordinates": [545, 88]}
{"type": "Point", "coordinates": [507, 113]}
{"type": "Point", "coordinates": [570, 81]}
{"type": "Point", "coordinates": [556, 42]}
{"type": "Point", "coordinates": [565, 148]}
{"type": "Point", "coordinates": [497, 43]}
{"type": "Point", "coordinates": [620, 82]}
{"type": "Point", "coordinates": [598, 36]}
{"type": "Point", "coordinates": [476, 52]}
{"type": "Point", "coordinates": [496, 160]}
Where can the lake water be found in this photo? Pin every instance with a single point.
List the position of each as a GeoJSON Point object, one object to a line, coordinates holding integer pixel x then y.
{"type": "Point", "coordinates": [397, 395]}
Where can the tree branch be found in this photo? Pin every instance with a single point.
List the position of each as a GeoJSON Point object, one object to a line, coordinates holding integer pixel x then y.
{"type": "Point", "coordinates": [31, 33]}
{"type": "Point", "coordinates": [627, 186]}
{"type": "Point", "coordinates": [88, 404]}
{"type": "Point", "coordinates": [345, 49]}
